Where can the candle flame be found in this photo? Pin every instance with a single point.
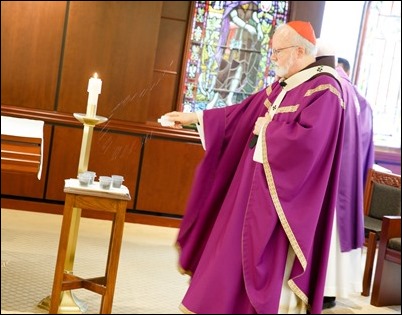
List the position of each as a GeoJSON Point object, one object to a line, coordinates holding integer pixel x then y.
{"type": "Point", "coordinates": [95, 75]}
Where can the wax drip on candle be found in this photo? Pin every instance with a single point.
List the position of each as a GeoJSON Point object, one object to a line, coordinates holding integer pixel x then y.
{"type": "Point", "coordinates": [94, 89]}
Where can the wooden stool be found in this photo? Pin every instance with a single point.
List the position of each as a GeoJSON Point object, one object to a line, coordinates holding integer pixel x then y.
{"type": "Point", "coordinates": [104, 285]}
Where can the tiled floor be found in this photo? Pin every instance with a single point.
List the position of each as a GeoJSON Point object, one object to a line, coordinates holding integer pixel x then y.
{"type": "Point", "coordinates": [148, 281]}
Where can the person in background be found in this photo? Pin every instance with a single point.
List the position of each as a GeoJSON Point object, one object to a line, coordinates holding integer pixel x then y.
{"type": "Point", "coordinates": [344, 274]}
{"type": "Point", "coordinates": [256, 231]}
{"type": "Point", "coordinates": [344, 64]}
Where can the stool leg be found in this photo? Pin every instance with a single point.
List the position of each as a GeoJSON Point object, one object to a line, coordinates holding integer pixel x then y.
{"type": "Point", "coordinates": [116, 237]}
{"type": "Point", "coordinates": [61, 257]}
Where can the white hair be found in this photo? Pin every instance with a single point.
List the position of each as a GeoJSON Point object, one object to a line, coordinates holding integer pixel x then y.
{"type": "Point", "coordinates": [296, 39]}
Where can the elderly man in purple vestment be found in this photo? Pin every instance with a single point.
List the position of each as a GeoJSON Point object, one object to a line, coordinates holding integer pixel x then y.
{"type": "Point", "coordinates": [256, 233]}
{"type": "Point", "coordinates": [344, 275]}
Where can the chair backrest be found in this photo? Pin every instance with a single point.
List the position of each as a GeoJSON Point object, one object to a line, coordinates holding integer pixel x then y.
{"type": "Point", "coordinates": [382, 194]}
{"type": "Point", "coordinates": [391, 238]}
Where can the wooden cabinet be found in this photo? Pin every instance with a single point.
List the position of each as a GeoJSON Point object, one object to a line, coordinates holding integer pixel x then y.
{"type": "Point", "coordinates": [158, 165]}
{"type": "Point", "coordinates": [137, 50]}
{"type": "Point", "coordinates": [111, 153]}
{"type": "Point", "coordinates": [166, 175]}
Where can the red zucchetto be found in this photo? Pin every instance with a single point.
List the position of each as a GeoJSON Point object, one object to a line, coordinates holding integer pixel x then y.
{"type": "Point", "coordinates": [304, 29]}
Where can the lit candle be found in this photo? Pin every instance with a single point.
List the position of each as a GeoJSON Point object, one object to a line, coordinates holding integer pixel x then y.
{"type": "Point", "coordinates": [94, 89]}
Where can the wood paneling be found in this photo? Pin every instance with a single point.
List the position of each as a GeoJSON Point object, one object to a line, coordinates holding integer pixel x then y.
{"type": "Point", "coordinates": [31, 43]}
{"type": "Point", "coordinates": [312, 11]}
{"type": "Point", "coordinates": [167, 175]}
{"type": "Point", "coordinates": [117, 40]}
{"type": "Point", "coordinates": [176, 10]}
{"type": "Point", "coordinates": [170, 45]}
{"type": "Point", "coordinates": [111, 153]}
{"type": "Point", "coordinates": [168, 61]}
{"type": "Point", "coordinates": [163, 94]}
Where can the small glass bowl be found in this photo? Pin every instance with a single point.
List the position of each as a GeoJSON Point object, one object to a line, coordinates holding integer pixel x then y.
{"type": "Point", "coordinates": [117, 181]}
{"type": "Point", "coordinates": [84, 179]}
{"type": "Point", "coordinates": [105, 182]}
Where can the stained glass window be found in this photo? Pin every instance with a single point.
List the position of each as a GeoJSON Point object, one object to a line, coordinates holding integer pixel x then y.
{"type": "Point", "coordinates": [379, 77]}
{"type": "Point", "coordinates": [229, 52]}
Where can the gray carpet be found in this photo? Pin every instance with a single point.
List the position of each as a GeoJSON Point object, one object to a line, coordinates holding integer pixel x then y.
{"type": "Point", "coordinates": [148, 281]}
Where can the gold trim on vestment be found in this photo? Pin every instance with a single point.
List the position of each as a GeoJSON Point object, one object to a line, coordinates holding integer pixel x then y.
{"type": "Point", "coordinates": [293, 82]}
{"type": "Point", "coordinates": [287, 109]}
{"type": "Point", "coordinates": [324, 87]}
{"type": "Point", "coordinates": [267, 102]}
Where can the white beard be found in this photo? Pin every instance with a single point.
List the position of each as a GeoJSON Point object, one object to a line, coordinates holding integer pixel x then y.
{"type": "Point", "coordinates": [282, 72]}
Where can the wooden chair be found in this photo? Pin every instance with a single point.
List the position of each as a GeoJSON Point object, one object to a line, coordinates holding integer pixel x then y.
{"type": "Point", "coordinates": [387, 278]}
{"type": "Point", "coordinates": [382, 196]}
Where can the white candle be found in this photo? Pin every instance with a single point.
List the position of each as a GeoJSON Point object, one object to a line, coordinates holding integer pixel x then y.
{"type": "Point", "coordinates": [94, 89]}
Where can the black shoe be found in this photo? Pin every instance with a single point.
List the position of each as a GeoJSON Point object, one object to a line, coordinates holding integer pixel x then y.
{"type": "Point", "coordinates": [329, 302]}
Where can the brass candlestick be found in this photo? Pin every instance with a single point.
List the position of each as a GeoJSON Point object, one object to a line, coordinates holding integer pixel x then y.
{"type": "Point", "coordinates": [69, 304]}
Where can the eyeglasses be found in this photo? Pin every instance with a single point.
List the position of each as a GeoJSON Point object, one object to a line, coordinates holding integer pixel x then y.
{"type": "Point", "coordinates": [275, 52]}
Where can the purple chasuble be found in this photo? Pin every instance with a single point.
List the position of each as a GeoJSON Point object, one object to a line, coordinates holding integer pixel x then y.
{"type": "Point", "coordinates": [357, 158]}
{"type": "Point", "coordinates": [242, 215]}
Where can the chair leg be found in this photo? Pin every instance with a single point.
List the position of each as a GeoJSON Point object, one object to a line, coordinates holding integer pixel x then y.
{"type": "Point", "coordinates": [368, 269]}
{"type": "Point", "coordinates": [386, 283]}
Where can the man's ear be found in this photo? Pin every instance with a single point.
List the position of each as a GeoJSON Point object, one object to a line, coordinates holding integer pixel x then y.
{"type": "Point", "coordinates": [301, 51]}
